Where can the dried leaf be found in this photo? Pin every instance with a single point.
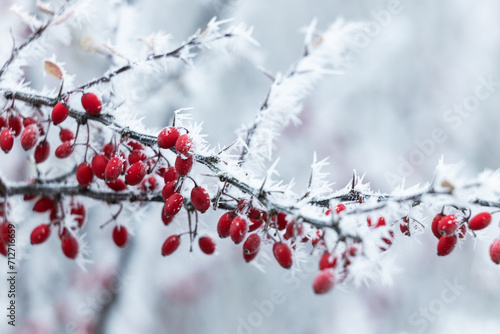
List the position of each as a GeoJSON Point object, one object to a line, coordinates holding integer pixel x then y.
{"type": "Point", "coordinates": [52, 69]}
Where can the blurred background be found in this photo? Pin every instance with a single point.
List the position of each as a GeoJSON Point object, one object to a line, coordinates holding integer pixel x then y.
{"type": "Point", "coordinates": [423, 82]}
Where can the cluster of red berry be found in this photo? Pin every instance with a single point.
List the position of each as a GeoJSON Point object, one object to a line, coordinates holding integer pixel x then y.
{"type": "Point", "coordinates": [449, 228]}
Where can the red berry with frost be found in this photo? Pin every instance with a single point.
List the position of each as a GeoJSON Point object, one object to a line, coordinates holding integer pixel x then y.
{"type": "Point", "coordinates": [135, 173]}
{"type": "Point", "coordinates": [69, 246]}
{"type": "Point", "coordinates": [108, 150]}
{"type": "Point", "coordinates": [59, 113]}
{"type": "Point", "coordinates": [6, 140]}
{"type": "Point", "coordinates": [434, 225]}
{"type": "Point", "coordinates": [404, 227]}
{"type": "Point", "coordinates": [184, 145]}
{"type": "Point", "coordinates": [136, 156]}
{"type": "Point", "coordinates": [44, 204]}
{"type": "Point", "coordinates": [170, 175]}
{"type": "Point", "coordinates": [120, 236]}
{"type": "Point", "coordinates": [66, 135]}
{"type": "Point", "coordinates": [136, 146]}
{"type": "Point", "coordinates": [64, 150]}
{"type": "Point", "coordinates": [168, 190]}
{"type": "Point", "coordinates": [173, 204]}
{"type": "Point", "coordinates": [480, 221]}
{"type": "Point", "coordinates": [200, 199]}
{"type": "Point", "coordinates": [99, 163]}
{"type": "Point", "coordinates": [113, 169]}
{"type": "Point", "coordinates": [380, 222]}
{"type": "Point", "coordinates": [251, 247]}
{"type": "Point", "coordinates": [323, 282]}
{"type": "Point", "coordinates": [79, 213]}
{"type": "Point", "coordinates": [207, 245]}
{"type": "Point", "coordinates": [293, 230]}
{"type": "Point", "coordinates": [117, 185]}
{"type": "Point", "coordinates": [91, 104]}
{"type": "Point", "coordinates": [317, 237]}
{"type": "Point", "coordinates": [340, 207]}
{"type": "Point", "coordinates": [238, 229]}
{"type": "Point", "coordinates": [328, 212]}
{"type": "Point", "coordinates": [327, 261]}
{"type": "Point", "coordinates": [224, 224]}
{"type": "Point", "coordinates": [446, 244]}
{"type": "Point", "coordinates": [40, 234]}
{"type": "Point", "coordinates": [183, 166]}
{"type": "Point", "coordinates": [29, 137]}
{"type": "Point", "coordinates": [283, 255]}
{"type": "Point", "coordinates": [166, 218]}
{"type": "Point", "coordinates": [167, 137]}
{"type": "Point", "coordinates": [447, 225]}
{"type": "Point", "coordinates": [170, 245]}
{"type": "Point", "coordinates": [84, 174]}
{"type": "Point", "coordinates": [388, 241]}
{"type": "Point", "coordinates": [495, 251]}
{"type": "Point", "coordinates": [42, 152]}
{"type": "Point", "coordinates": [15, 124]}
{"type": "Point", "coordinates": [462, 231]}
{"type": "Point", "coordinates": [149, 183]}
{"type": "Point", "coordinates": [281, 221]}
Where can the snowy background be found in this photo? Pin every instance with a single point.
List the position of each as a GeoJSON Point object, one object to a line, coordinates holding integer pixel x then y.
{"type": "Point", "coordinates": [413, 70]}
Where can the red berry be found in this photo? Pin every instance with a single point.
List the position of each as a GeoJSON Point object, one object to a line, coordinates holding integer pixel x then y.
{"type": "Point", "coordinates": [327, 261]}
{"type": "Point", "coordinates": [173, 204]}
{"type": "Point", "coordinates": [184, 145]}
{"type": "Point", "coordinates": [480, 221]}
{"type": "Point", "coordinates": [435, 223]}
{"type": "Point", "coordinates": [170, 245]}
{"type": "Point", "coordinates": [340, 207]}
{"type": "Point", "coordinates": [251, 247]}
{"type": "Point", "coordinates": [91, 103]}
{"type": "Point", "coordinates": [404, 227]}
{"type": "Point", "coordinates": [328, 212]}
{"type": "Point", "coordinates": [117, 185]}
{"type": "Point", "coordinates": [281, 221]}
{"type": "Point", "coordinates": [293, 230]}
{"type": "Point", "coordinates": [167, 137]}
{"type": "Point", "coordinates": [6, 140]}
{"type": "Point", "coordinates": [78, 210]}
{"type": "Point", "coordinates": [149, 183]}
{"type": "Point", "coordinates": [238, 229]}
{"type": "Point", "coordinates": [4, 232]}
{"type": "Point", "coordinates": [446, 244]}
{"type": "Point", "coordinates": [84, 174]}
{"type": "Point", "coordinates": [323, 282]}
{"type": "Point", "coordinates": [64, 150]}
{"type": "Point", "coordinates": [166, 218]}
{"type": "Point", "coordinates": [99, 163]}
{"type": "Point", "coordinates": [200, 199]}
{"type": "Point", "coordinates": [29, 137]}
{"type": "Point", "coordinates": [120, 236]}
{"type": "Point", "coordinates": [40, 234]}
{"type": "Point", "coordinates": [59, 113]}
{"type": "Point", "coordinates": [207, 245]}
{"type": "Point", "coordinates": [3, 249]}
{"type": "Point", "coordinates": [387, 241]}
{"type": "Point", "coordinates": [170, 175]}
{"type": "Point", "coordinates": [29, 121]}
{"type": "Point", "coordinates": [66, 135]}
{"type": "Point", "coordinates": [224, 224]}
{"type": "Point", "coordinates": [136, 146]}
{"type": "Point", "coordinates": [380, 222]}
{"type": "Point", "coordinates": [183, 166]}
{"type": "Point", "coordinates": [495, 251]}
{"type": "Point", "coordinates": [462, 231]}
{"type": "Point", "coordinates": [317, 237]}
{"type": "Point", "coordinates": [15, 124]}
{"type": "Point", "coordinates": [447, 225]}
{"type": "Point", "coordinates": [69, 246]}
{"type": "Point", "coordinates": [168, 190]}
{"type": "Point", "coordinates": [113, 169]}
{"type": "Point", "coordinates": [283, 255]}
{"type": "Point", "coordinates": [44, 204]}
{"type": "Point", "coordinates": [42, 151]}
{"type": "Point", "coordinates": [136, 156]}
{"type": "Point", "coordinates": [108, 150]}
{"type": "Point", "coordinates": [135, 174]}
